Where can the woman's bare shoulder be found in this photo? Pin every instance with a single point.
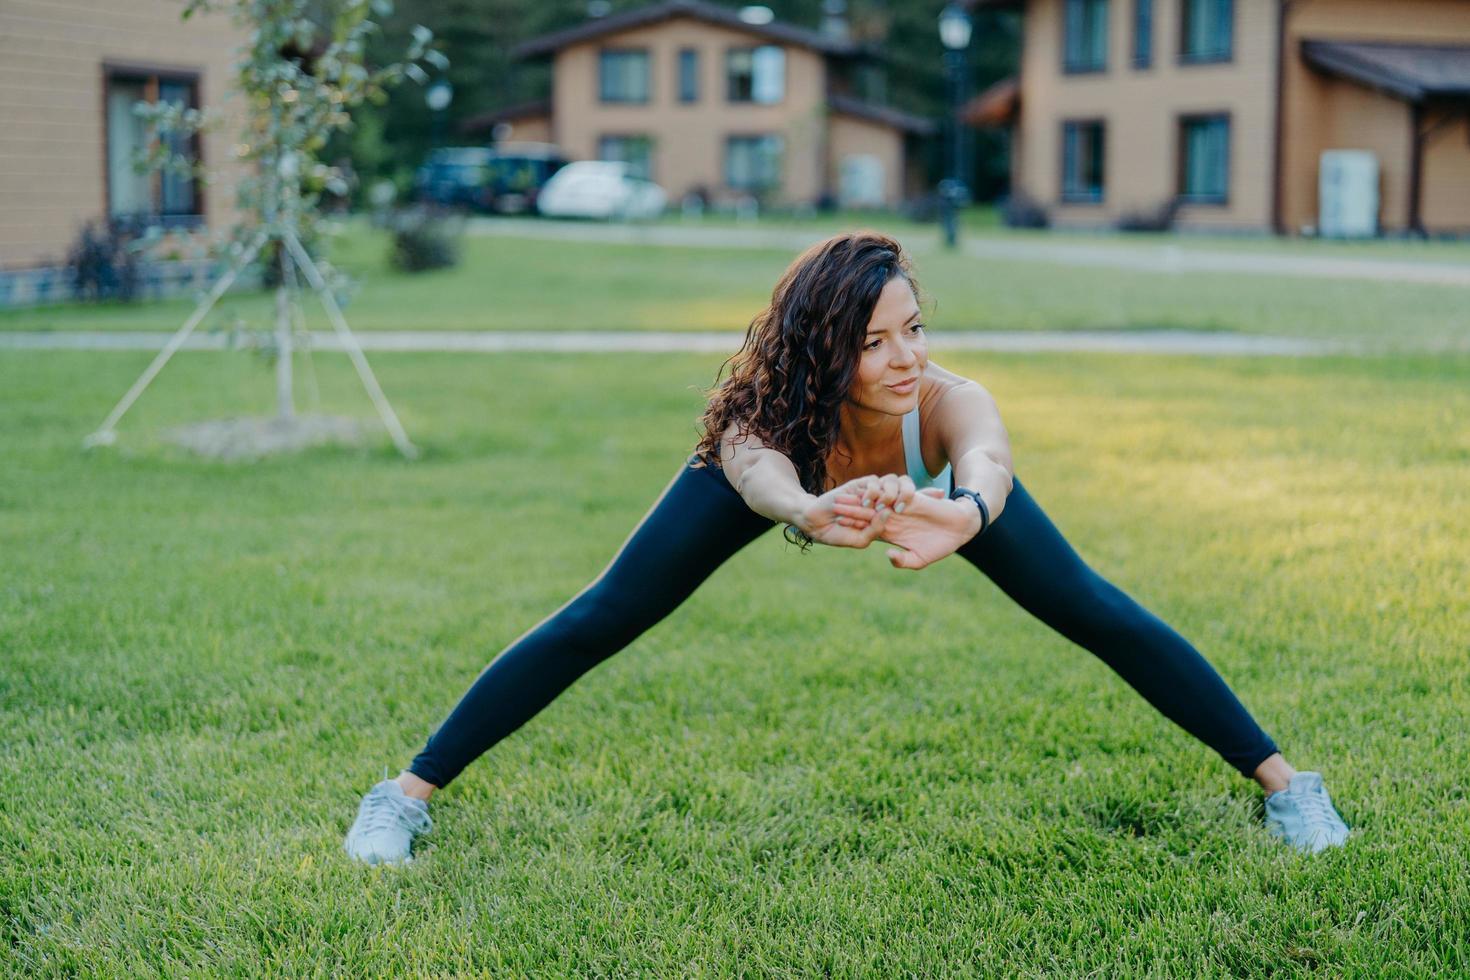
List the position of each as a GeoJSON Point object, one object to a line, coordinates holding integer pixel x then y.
{"type": "Point", "coordinates": [936, 383]}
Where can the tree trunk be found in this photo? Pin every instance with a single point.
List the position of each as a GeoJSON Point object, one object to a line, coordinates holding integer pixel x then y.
{"type": "Point", "coordinates": [285, 407]}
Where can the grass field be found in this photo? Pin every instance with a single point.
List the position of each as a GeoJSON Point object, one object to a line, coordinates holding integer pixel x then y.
{"type": "Point", "coordinates": [985, 222]}
{"type": "Point", "coordinates": [528, 285]}
{"type": "Point", "coordinates": [819, 765]}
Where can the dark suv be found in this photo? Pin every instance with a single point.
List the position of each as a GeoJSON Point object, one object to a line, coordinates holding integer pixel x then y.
{"type": "Point", "coordinates": [452, 176]}
{"type": "Point", "coordinates": [504, 179]}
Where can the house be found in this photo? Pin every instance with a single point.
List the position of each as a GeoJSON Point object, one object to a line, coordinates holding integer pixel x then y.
{"type": "Point", "coordinates": [69, 76]}
{"type": "Point", "coordinates": [1224, 110]}
{"type": "Point", "coordinates": [708, 102]}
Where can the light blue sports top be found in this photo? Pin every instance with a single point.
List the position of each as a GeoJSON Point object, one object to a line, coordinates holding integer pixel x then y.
{"type": "Point", "coordinates": [913, 458]}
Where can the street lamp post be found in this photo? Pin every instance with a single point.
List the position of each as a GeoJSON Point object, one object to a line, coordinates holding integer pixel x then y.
{"type": "Point", "coordinates": [954, 34]}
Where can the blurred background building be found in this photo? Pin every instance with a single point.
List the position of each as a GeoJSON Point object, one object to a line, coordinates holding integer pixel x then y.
{"type": "Point", "coordinates": [1287, 115]}
{"type": "Point", "coordinates": [1337, 117]}
{"type": "Point", "coordinates": [69, 77]}
{"type": "Point", "coordinates": [715, 102]}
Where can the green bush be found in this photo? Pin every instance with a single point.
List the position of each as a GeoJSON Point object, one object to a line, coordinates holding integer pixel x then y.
{"type": "Point", "coordinates": [103, 262]}
{"type": "Point", "coordinates": [425, 240]}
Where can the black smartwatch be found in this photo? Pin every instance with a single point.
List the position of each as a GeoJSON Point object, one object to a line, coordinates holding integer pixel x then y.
{"type": "Point", "coordinates": [959, 492]}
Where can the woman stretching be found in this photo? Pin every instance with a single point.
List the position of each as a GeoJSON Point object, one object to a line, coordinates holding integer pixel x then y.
{"type": "Point", "coordinates": [832, 388]}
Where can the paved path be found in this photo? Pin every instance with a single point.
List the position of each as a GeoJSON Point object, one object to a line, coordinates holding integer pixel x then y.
{"type": "Point", "coordinates": [1174, 259]}
{"type": "Point", "coordinates": [1166, 258]}
{"type": "Point", "coordinates": [717, 342]}
{"type": "Point", "coordinates": [684, 236]}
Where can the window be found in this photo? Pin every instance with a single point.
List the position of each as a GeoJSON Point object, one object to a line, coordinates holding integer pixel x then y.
{"type": "Point", "coordinates": [1085, 30]}
{"type": "Point", "coordinates": [1204, 159]}
{"type": "Point", "coordinates": [622, 75]}
{"type": "Point", "coordinates": [156, 197]}
{"type": "Point", "coordinates": [688, 75]}
{"type": "Point", "coordinates": [1207, 30]}
{"type": "Point", "coordinates": [635, 151]}
{"type": "Point", "coordinates": [1083, 154]}
{"type": "Point", "coordinates": [756, 74]}
{"type": "Point", "coordinates": [753, 163]}
{"type": "Point", "coordinates": [1143, 33]}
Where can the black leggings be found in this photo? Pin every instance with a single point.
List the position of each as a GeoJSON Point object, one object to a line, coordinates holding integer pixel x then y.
{"type": "Point", "coordinates": [700, 521]}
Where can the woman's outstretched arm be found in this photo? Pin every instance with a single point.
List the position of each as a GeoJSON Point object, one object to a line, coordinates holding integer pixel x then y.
{"type": "Point", "coordinates": [767, 481]}
{"type": "Point", "coordinates": [977, 444]}
{"type": "Point", "coordinates": [765, 478]}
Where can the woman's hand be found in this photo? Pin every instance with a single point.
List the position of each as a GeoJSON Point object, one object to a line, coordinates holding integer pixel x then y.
{"type": "Point", "coordinates": [929, 528]}
{"type": "Point", "coordinates": [855, 514]}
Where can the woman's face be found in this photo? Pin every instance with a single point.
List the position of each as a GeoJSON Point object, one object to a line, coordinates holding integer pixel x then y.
{"type": "Point", "coordinates": [894, 353]}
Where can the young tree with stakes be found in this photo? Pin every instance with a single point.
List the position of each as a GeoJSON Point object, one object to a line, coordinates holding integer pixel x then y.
{"type": "Point", "coordinates": [301, 74]}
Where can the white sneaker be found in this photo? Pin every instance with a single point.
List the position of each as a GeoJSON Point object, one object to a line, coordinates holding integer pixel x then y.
{"type": "Point", "coordinates": [1303, 815]}
{"type": "Point", "coordinates": [387, 822]}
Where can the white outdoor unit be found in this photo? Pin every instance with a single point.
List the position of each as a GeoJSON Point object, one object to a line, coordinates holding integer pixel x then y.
{"type": "Point", "coordinates": [860, 181]}
{"type": "Point", "coordinates": [1347, 194]}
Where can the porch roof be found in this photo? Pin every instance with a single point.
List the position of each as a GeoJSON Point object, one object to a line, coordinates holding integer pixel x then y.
{"type": "Point", "coordinates": [1412, 72]}
{"type": "Point", "coordinates": [886, 115]}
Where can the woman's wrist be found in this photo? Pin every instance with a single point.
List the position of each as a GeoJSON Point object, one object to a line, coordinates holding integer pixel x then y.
{"type": "Point", "coordinates": [974, 520]}
{"type": "Point", "coordinates": [799, 514]}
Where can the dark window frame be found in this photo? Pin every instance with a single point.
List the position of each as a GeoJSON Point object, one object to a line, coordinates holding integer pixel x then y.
{"type": "Point", "coordinates": [687, 57]}
{"type": "Point", "coordinates": [1181, 147]}
{"type": "Point", "coordinates": [1143, 34]}
{"type": "Point", "coordinates": [730, 138]}
{"type": "Point", "coordinates": [1070, 196]}
{"type": "Point", "coordinates": [602, 53]}
{"type": "Point", "coordinates": [1087, 68]}
{"type": "Point", "coordinates": [153, 75]}
{"type": "Point", "coordinates": [652, 149]}
{"type": "Point", "coordinates": [1209, 58]}
{"type": "Point", "coordinates": [735, 49]}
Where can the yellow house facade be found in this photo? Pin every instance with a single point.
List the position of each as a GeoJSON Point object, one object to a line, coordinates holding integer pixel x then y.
{"type": "Point", "coordinates": [69, 76]}
{"type": "Point", "coordinates": [1227, 111]}
{"type": "Point", "coordinates": [705, 103]}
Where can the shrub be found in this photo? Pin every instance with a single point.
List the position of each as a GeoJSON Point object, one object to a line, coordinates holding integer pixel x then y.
{"type": "Point", "coordinates": [103, 263]}
{"type": "Point", "coordinates": [924, 207]}
{"type": "Point", "coordinates": [1017, 210]}
{"type": "Point", "coordinates": [425, 240]}
{"type": "Point", "coordinates": [1160, 218]}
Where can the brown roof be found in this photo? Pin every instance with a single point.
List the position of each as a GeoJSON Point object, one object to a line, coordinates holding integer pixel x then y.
{"type": "Point", "coordinates": [708, 12]}
{"type": "Point", "coordinates": [888, 116]}
{"type": "Point", "coordinates": [1407, 71]}
{"type": "Point", "coordinates": [523, 110]}
{"type": "Point", "coordinates": [998, 105]}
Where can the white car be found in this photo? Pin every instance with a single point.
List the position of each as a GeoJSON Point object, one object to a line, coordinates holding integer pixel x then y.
{"type": "Point", "coordinates": [599, 189]}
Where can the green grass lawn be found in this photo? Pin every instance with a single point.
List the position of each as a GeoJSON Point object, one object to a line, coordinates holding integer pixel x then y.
{"type": "Point", "coordinates": [509, 284]}
{"type": "Point", "coordinates": [985, 222]}
{"type": "Point", "coordinates": [818, 766]}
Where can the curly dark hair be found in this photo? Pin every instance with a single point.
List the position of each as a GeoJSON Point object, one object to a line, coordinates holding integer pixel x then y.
{"type": "Point", "coordinates": [790, 377]}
